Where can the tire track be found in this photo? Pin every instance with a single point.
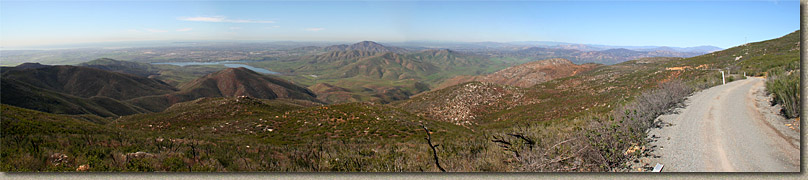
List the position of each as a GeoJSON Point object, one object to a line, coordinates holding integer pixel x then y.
{"type": "Point", "coordinates": [723, 129]}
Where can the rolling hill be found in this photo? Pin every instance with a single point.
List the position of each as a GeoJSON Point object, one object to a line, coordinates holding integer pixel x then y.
{"type": "Point", "coordinates": [368, 71]}
{"type": "Point", "coordinates": [89, 82]}
{"type": "Point", "coordinates": [608, 56]}
{"type": "Point", "coordinates": [447, 59]}
{"type": "Point", "coordinates": [526, 75]}
{"type": "Point", "coordinates": [23, 95]}
{"type": "Point", "coordinates": [388, 66]}
{"type": "Point", "coordinates": [366, 46]}
{"type": "Point", "coordinates": [231, 82]}
{"type": "Point", "coordinates": [234, 82]}
{"type": "Point", "coordinates": [489, 104]}
{"type": "Point", "coordinates": [77, 90]}
{"type": "Point", "coordinates": [126, 67]}
{"type": "Point", "coordinates": [173, 75]}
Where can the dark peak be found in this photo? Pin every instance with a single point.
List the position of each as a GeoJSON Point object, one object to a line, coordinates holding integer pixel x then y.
{"type": "Point", "coordinates": [234, 82]}
{"type": "Point", "coordinates": [31, 66]}
{"type": "Point", "coordinates": [73, 70]}
{"type": "Point", "coordinates": [88, 82]}
{"type": "Point", "coordinates": [236, 70]}
{"type": "Point", "coordinates": [367, 43]}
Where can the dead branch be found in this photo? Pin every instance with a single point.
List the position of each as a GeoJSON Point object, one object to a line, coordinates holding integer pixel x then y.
{"type": "Point", "coordinates": [528, 141]}
{"type": "Point", "coordinates": [434, 152]}
{"type": "Point", "coordinates": [506, 145]}
{"type": "Point", "coordinates": [501, 141]}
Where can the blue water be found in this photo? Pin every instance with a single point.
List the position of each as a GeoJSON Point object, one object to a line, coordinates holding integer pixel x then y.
{"type": "Point", "coordinates": [259, 70]}
{"type": "Point", "coordinates": [230, 64]}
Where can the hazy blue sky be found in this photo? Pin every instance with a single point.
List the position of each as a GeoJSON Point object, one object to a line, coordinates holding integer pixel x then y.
{"type": "Point", "coordinates": [669, 23]}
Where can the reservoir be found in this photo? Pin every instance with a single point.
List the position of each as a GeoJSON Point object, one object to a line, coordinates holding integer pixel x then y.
{"type": "Point", "coordinates": [230, 64]}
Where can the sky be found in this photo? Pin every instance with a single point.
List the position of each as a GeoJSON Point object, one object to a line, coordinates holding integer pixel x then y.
{"type": "Point", "coordinates": [626, 23]}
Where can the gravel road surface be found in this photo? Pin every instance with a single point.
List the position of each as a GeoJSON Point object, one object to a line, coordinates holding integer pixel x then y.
{"type": "Point", "coordinates": [727, 128]}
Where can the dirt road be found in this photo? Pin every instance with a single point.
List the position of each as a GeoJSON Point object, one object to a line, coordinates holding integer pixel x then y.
{"type": "Point", "coordinates": [726, 128]}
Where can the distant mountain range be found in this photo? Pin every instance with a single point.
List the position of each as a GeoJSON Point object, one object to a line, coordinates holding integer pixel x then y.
{"type": "Point", "coordinates": [609, 56]}
{"type": "Point", "coordinates": [346, 72]}
{"type": "Point", "coordinates": [353, 72]}
{"type": "Point", "coordinates": [366, 46]}
{"type": "Point", "coordinates": [527, 51]}
{"type": "Point", "coordinates": [594, 47]}
{"type": "Point", "coordinates": [544, 44]}
{"type": "Point", "coordinates": [208, 51]}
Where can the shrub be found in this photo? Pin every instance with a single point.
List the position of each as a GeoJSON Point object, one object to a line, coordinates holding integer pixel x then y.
{"type": "Point", "coordinates": [628, 126]}
{"type": "Point", "coordinates": [140, 164]}
{"type": "Point", "coordinates": [641, 113]}
{"type": "Point", "coordinates": [174, 164]}
{"type": "Point", "coordinates": [784, 87]}
{"type": "Point", "coordinates": [601, 144]}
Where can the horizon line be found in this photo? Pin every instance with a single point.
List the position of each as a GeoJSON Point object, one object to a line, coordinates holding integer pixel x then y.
{"type": "Point", "coordinates": [132, 44]}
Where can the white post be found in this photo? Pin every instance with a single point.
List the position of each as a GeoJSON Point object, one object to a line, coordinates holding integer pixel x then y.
{"type": "Point", "coordinates": [722, 78]}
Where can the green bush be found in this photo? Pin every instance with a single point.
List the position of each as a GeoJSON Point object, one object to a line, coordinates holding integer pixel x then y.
{"type": "Point", "coordinates": [174, 164]}
{"type": "Point", "coordinates": [140, 165]}
{"type": "Point", "coordinates": [785, 87]}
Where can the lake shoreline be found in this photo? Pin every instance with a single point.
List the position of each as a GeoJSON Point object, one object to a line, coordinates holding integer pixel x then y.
{"type": "Point", "coordinates": [228, 64]}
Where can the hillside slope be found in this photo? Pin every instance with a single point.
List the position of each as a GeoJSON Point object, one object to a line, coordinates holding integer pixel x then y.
{"type": "Point", "coordinates": [389, 66]}
{"type": "Point", "coordinates": [489, 104]}
{"type": "Point", "coordinates": [231, 82]}
{"type": "Point", "coordinates": [281, 120]}
{"type": "Point", "coordinates": [526, 75]}
{"type": "Point", "coordinates": [23, 95]}
{"type": "Point", "coordinates": [126, 67]}
{"type": "Point", "coordinates": [608, 56]}
{"type": "Point", "coordinates": [447, 59]}
{"type": "Point", "coordinates": [366, 46]}
{"type": "Point", "coordinates": [753, 58]}
{"type": "Point", "coordinates": [89, 82]}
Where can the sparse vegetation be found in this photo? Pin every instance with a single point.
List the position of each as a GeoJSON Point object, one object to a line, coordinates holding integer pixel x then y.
{"type": "Point", "coordinates": [593, 121]}
{"type": "Point", "coordinates": [600, 143]}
